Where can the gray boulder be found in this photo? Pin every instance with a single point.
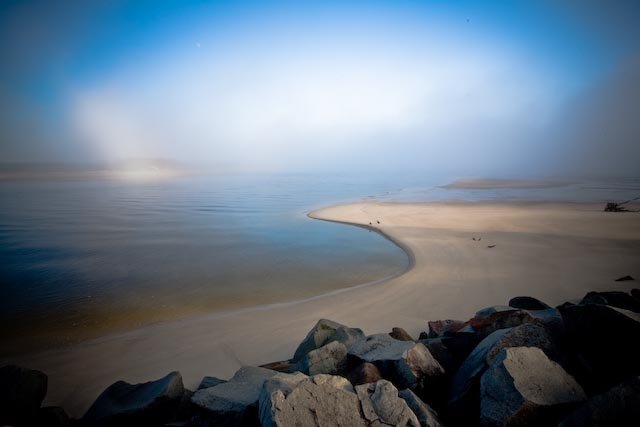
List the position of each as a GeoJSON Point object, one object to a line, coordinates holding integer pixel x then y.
{"type": "Point", "coordinates": [234, 403]}
{"type": "Point", "coordinates": [21, 393]}
{"type": "Point", "coordinates": [381, 405]}
{"type": "Point", "coordinates": [328, 359]}
{"type": "Point", "coordinates": [527, 303]}
{"type": "Point", "coordinates": [427, 417]}
{"type": "Point", "coordinates": [133, 404]}
{"type": "Point", "coordinates": [618, 406]}
{"type": "Point", "coordinates": [438, 328]}
{"type": "Point", "coordinates": [406, 364]}
{"type": "Point", "coordinates": [297, 400]}
{"type": "Point", "coordinates": [400, 334]}
{"type": "Point", "coordinates": [524, 387]}
{"type": "Point", "coordinates": [210, 382]}
{"type": "Point", "coordinates": [324, 332]}
{"type": "Point", "coordinates": [464, 391]}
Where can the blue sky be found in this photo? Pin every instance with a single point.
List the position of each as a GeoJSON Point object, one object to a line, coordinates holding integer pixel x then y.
{"type": "Point", "coordinates": [461, 86]}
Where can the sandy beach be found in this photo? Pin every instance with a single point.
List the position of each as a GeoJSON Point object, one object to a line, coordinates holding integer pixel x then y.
{"type": "Point", "coordinates": [552, 251]}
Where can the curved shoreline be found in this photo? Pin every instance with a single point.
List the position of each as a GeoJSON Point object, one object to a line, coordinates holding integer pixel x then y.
{"type": "Point", "coordinates": [448, 276]}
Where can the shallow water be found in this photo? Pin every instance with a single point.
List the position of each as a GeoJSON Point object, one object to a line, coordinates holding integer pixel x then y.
{"type": "Point", "coordinates": [82, 258]}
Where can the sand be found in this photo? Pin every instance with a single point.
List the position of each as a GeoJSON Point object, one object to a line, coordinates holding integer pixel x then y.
{"type": "Point", "coordinates": [554, 252]}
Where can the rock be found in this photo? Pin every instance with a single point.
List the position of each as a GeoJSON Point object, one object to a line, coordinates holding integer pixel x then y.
{"type": "Point", "coordinates": [400, 334]}
{"type": "Point", "coordinates": [464, 390]}
{"type": "Point", "coordinates": [286, 366]}
{"type": "Point", "coordinates": [442, 354]}
{"type": "Point", "coordinates": [152, 402]}
{"type": "Point", "coordinates": [406, 364]}
{"type": "Point", "coordinates": [321, 400]}
{"type": "Point", "coordinates": [551, 319]}
{"type": "Point", "coordinates": [618, 406]}
{"type": "Point", "coordinates": [635, 292]}
{"type": "Point", "coordinates": [364, 373]}
{"type": "Point", "coordinates": [323, 333]}
{"type": "Point", "coordinates": [52, 416]}
{"type": "Point", "coordinates": [604, 340]}
{"type": "Point", "coordinates": [614, 299]}
{"type": "Point", "coordinates": [624, 278]}
{"type": "Point", "coordinates": [234, 403]}
{"type": "Point", "coordinates": [438, 328]}
{"type": "Point", "coordinates": [427, 417]}
{"type": "Point", "coordinates": [524, 387]}
{"type": "Point", "coordinates": [21, 393]}
{"type": "Point", "coordinates": [210, 382]}
{"type": "Point", "coordinates": [382, 406]}
{"type": "Point", "coordinates": [527, 303]}
{"type": "Point", "coordinates": [491, 319]}
{"type": "Point", "coordinates": [328, 359]}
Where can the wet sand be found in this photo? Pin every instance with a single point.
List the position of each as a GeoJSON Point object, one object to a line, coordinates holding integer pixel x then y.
{"type": "Point", "coordinates": [551, 251]}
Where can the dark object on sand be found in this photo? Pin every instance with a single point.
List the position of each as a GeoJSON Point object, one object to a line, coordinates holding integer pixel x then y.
{"type": "Point", "coordinates": [491, 246]}
{"type": "Point", "coordinates": [625, 279]}
{"type": "Point", "coordinates": [617, 207]}
{"type": "Point", "coordinates": [378, 222]}
{"type": "Point", "coordinates": [477, 240]}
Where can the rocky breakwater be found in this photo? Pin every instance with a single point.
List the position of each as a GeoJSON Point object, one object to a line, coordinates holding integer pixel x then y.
{"type": "Point", "coordinates": [523, 364]}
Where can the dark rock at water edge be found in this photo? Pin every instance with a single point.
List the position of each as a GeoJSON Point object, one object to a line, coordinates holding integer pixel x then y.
{"type": "Point", "coordinates": [527, 303]}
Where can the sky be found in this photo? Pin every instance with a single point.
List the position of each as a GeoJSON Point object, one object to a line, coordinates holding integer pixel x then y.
{"type": "Point", "coordinates": [473, 88]}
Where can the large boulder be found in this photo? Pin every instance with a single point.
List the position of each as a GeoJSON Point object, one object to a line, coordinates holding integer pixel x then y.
{"type": "Point", "coordinates": [614, 299]}
{"type": "Point", "coordinates": [490, 319]}
{"type": "Point", "coordinates": [464, 390]}
{"type": "Point", "coordinates": [324, 332]}
{"type": "Point", "coordinates": [618, 406]}
{"type": "Point", "coordinates": [234, 403]}
{"type": "Point", "coordinates": [427, 417]}
{"type": "Point", "coordinates": [21, 393]}
{"type": "Point", "coordinates": [604, 340]}
{"type": "Point", "coordinates": [527, 303]}
{"type": "Point", "coordinates": [406, 364]}
{"type": "Point", "coordinates": [524, 387]}
{"type": "Point", "coordinates": [381, 405]}
{"type": "Point", "coordinates": [297, 400]}
{"type": "Point", "coordinates": [328, 359]}
{"type": "Point", "coordinates": [438, 328]}
{"type": "Point", "coordinates": [147, 403]}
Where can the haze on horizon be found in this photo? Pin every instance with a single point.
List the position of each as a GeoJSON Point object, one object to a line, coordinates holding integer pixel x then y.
{"type": "Point", "coordinates": [535, 88]}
